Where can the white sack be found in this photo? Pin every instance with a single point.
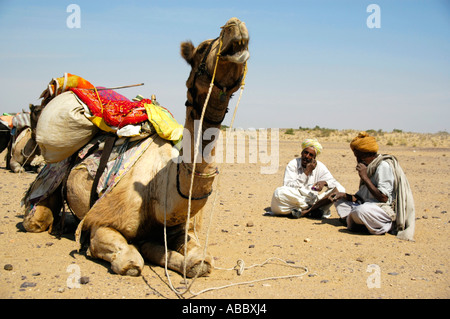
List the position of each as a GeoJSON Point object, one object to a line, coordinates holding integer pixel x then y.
{"type": "Point", "coordinates": [62, 128]}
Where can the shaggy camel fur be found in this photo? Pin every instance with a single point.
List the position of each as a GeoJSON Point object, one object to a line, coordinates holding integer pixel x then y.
{"type": "Point", "coordinates": [129, 220]}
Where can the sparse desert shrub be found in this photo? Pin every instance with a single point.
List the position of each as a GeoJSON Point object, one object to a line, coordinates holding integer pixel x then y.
{"type": "Point", "coordinates": [289, 131]}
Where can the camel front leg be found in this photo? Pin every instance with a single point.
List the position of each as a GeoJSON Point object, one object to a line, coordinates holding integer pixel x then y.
{"type": "Point", "coordinates": [43, 215]}
{"type": "Point", "coordinates": [195, 263]}
{"type": "Point", "coordinates": [16, 167]}
{"type": "Point", "coordinates": [108, 244]}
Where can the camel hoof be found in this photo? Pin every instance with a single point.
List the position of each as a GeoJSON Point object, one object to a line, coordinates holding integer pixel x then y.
{"type": "Point", "coordinates": [202, 269]}
{"type": "Point", "coordinates": [131, 266]}
{"type": "Point", "coordinates": [133, 272]}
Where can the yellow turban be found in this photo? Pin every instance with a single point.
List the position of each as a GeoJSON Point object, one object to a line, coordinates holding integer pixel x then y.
{"type": "Point", "coordinates": [312, 142]}
{"type": "Point", "coordinates": [364, 143]}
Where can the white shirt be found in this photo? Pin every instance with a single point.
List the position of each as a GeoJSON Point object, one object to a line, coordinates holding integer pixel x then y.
{"type": "Point", "coordinates": [294, 176]}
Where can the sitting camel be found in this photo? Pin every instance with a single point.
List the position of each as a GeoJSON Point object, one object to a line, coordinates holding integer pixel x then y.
{"type": "Point", "coordinates": [5, 136]}
{"type": "Point", "coordinates": [130, 219]}
{"type": "Point", "coordinates": [23, 151]}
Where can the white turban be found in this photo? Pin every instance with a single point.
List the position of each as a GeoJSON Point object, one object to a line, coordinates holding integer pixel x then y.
{"type": "Point", "coordinates": [312, 142]}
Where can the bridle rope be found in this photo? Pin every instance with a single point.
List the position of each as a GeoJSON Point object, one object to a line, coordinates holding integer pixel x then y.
{"type": "Point", "coordinates": [240, 264]}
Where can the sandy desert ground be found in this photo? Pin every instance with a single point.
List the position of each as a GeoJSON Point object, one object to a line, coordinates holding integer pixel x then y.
{"type": "Point", "coordinates": [319, 259]}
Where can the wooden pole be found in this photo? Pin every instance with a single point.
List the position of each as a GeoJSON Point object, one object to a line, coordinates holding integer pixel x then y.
{"type": "Point", "coordinates": [119, 87]}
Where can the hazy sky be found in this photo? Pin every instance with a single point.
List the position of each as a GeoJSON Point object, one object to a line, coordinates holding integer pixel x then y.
{"type": "Point", "coordinates": [312, 62]}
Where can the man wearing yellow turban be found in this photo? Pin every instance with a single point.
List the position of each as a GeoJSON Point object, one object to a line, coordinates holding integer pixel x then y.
{"type": "Point", "coordinates": [364, 143]}
{"type": "Point", "coordinates": [312, 142]}
{"type": "Point", "coordinates": [306, 182]}
{"type": "Point", "coordinates": [384, 200]}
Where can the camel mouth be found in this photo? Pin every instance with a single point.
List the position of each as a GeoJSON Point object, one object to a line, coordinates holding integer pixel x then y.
{"type": "Point", "coordinates": [236, 51]}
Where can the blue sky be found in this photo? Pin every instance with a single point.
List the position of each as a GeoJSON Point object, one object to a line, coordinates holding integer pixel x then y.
{"type": "Point", "coordinates": [312, 62]}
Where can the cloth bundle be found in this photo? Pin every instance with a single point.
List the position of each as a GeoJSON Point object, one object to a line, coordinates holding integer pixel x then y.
{"type": "Point", "coordinates": [75, 110]}
{"type": "Point", "coordinates": [111, 114]}
{"type": "Point", "coordinates": [7, 120]}
{"type": "Point", "coordinates": [21, 120]}
{"type": "Point", "coordinates": [116, 113]}
{"type": "Point", "coordinates": [63, 84]}
{"type": "Point", "coordinates": [62, 128]}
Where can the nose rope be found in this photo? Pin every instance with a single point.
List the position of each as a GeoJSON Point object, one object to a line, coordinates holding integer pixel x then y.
{"type": "Point", "coordinates": [241, 266]}
{"type": "Point", "coordinates": [197, 142]}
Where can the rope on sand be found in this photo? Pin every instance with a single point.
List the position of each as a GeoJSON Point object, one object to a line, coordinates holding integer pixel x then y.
{"type": "Point", "coordinates": [240, 269]}
{"type": "Point", "coordinates": [240, 266]}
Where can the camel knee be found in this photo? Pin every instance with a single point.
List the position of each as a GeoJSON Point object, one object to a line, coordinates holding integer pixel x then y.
{"type": "Point", "coordinates": [38, 220]}
{"type": "Point", "coordinates": [42, 217]}
{"type": "Point", "coordinates": [108, 244]}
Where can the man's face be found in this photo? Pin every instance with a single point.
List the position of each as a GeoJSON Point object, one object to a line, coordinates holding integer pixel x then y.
{"type": "Point", "coordinates": [358, 156]}
{"type": "Point", "coordinates": [362, 157]}
{"type": "Point", "coordinates": [308, 155]}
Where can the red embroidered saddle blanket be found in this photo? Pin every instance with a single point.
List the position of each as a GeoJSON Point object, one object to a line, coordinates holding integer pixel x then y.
{"type": "Point", "coordinates": [115, 112]}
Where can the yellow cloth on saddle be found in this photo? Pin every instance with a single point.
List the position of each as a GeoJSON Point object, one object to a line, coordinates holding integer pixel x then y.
{"type": "Point", "coordinates": [164, 123]}
{"type": "Point", "coordinates": [101, 124]}
{"type": "Point", "coordinates": [162, 120]}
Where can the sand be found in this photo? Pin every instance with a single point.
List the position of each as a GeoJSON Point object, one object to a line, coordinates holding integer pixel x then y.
{"type": "Point", "coordinates": [304, 258]}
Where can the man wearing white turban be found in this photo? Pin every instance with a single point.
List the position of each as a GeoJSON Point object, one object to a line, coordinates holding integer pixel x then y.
{"type": "Point", "coordinates": [306, 186]}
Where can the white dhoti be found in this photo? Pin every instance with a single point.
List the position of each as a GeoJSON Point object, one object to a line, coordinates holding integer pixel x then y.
{"type": "Point", "coordinates": [371, 215]}
{"type": "Point", "coordinates": [286, 198]}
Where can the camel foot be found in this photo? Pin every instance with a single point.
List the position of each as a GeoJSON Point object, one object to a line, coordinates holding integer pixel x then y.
{"type": "Point", "coordinates": [156, 254]}
{"type": "Point", "coordinates": [128, 264]}
{"type": "Point", "coordinates": [17, 168]}
{"type": "Point", "coordinates": [199, 269]}
{"type": "Point", "coordinates": [108, 244]}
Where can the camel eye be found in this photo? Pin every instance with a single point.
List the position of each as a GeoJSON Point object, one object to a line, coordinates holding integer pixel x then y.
{"type": "Point", "coordinates": [201, 49]}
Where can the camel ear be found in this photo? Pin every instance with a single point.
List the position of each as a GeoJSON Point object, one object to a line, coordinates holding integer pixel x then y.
{"type": "Point", "coordinates": [187, 51]}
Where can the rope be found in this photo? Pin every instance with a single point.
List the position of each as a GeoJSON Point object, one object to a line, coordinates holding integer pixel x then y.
{"type": "Point", "coordinates": [22, 169]}
{"type": "Point", "coordinates": [19, 138]}
{"type": "Point", "coordinates": [190, 194]}
{"type": "Point", "coordinates": [197, 142]}
{"type": "Point", "coordinates": [240, 266]}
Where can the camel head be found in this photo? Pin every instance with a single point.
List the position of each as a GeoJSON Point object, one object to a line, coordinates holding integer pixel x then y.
{"type": "Point", "coordinates": [35, 112]}
{"type": "Point", "coordinates": [233, 55]}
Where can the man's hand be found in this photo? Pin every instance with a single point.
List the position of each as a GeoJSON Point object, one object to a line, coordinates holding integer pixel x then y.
{"type": "Point", "coordinates": [319, 186]}
{"type": "Point", "coordinates": [362, 171]}
{"type": "Point", "coordinates": [337, 196]}
{"type": "Point", "coordinates": [310, 167]}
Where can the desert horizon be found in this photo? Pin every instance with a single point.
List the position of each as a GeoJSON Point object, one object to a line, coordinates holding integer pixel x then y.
{"type": "Point", "coordinates": [322, 259]}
